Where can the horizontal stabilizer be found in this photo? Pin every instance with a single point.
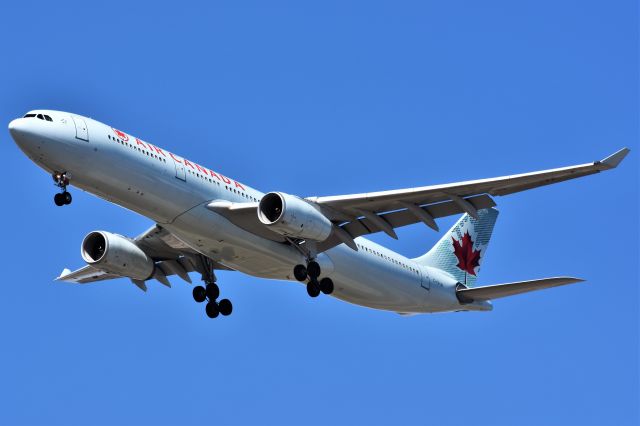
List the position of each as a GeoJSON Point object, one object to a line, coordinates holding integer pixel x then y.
{"type": "Point", "coordinates": [502, 290]}
{"type": "Point", "coordinates": [614, 159]}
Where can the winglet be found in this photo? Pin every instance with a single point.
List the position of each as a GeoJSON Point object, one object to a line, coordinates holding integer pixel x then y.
{"type": "Point", "coordinates": [63, 274]}
{"type": "Point", "coordinates": [614, 159]}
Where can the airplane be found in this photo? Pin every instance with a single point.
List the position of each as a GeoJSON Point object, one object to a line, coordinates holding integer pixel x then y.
{"type": "Point", "coordinates": [206, 222]}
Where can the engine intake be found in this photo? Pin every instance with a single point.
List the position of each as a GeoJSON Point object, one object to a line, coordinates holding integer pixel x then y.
{"type": "Point", "coordinates": [116, 254]}
{"type": "Point", "coordinates": [291, 216]}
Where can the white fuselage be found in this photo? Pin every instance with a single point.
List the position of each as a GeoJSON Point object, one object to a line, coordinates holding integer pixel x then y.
{"type": "Point", "coordinates": [173, 192]}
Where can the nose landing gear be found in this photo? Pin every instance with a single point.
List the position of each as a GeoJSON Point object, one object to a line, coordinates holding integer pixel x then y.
{"type": "Point", "coordinates": [312, 272]}
{"type": "Point", "coordinates": [62, 198]}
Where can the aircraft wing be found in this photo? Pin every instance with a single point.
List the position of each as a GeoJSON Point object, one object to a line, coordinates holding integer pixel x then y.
{"type": "Point", "coordinates": [171, 256]}
{"type": "Point", "coordinates": [86, 274]}
{"type": "Point", "coordinates": [365, 213]}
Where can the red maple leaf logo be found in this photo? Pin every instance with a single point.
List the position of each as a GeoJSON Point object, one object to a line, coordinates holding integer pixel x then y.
{"type": "Point", "coordinates": [468, 258]}
{"type": "Point", "coordinates": [122, 135]}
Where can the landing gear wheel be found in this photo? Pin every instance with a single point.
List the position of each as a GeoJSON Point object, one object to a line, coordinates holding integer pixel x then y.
{"type": "Point", "coordinates": [212, 291]}
{"type": "Point", "coordinates": [313, 289]}
{"type": "Point", "coordinates": [212, 310]}
{"type": "Point", "coordinates": [313, 269]}
{"type": "Point", "coordinates": [326, 285]}
{"type": "Point", "coordinates": [62, 181]}
{"type": "Point", "coordinates": [300, 272]}
{"type": "Point", "coordinates": [225, 307]}
{"type": "Point", "coordinates": [199, 294]}
{"type": "Point", "coordinates": [58, 199]}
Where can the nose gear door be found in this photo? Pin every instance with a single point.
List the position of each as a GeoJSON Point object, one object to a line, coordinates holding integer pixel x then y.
{"type": "Point", "coordinates": [82, 132]}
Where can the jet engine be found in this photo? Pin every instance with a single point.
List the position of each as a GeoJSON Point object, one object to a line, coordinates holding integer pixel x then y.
{"type": "Point", "coordinates": [294, 217]}
{"type": "Point", "coordinates": [116, 254]}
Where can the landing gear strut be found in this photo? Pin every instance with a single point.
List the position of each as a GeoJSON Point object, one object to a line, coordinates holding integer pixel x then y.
{"type": "Point", "coordinates": [64, 197]}
{"type": "Point", "coordinates": [210, 292]}
{"type": "Point", "coordinates": [312, 272]}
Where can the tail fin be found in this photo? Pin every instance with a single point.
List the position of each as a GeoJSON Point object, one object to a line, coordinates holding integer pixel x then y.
{"type": "Point", "coordinates": [461, 251]}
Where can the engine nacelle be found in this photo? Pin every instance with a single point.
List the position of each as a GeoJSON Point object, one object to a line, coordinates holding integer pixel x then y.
{"type": "Point", "coordinates": [116, 254]}
{"type": "Point", "coordinates": [293, 217]}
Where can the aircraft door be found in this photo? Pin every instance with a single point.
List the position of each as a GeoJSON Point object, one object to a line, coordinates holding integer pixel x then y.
{"type": "Point", "coordinates": [425, 280]}
{"type": "Point", "coordinates": [180, 172]}
{"type": "Point", "coordinates": [82, 132]}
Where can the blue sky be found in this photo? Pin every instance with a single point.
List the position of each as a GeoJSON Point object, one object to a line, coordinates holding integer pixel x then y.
{"type": "Point", "coordinates": [322, 99]}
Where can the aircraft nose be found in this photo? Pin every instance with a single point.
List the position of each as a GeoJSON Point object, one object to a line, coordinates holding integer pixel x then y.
{"type": "Point", "coordinates": [22, 133]}
{"type": "Point", "coordinates": [15, 126]}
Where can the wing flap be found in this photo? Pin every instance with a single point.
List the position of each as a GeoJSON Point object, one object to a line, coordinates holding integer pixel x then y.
{"type": "Point", "coordinates": [399, 218]}
{"type": "Point", "coordinates": [510, 289]}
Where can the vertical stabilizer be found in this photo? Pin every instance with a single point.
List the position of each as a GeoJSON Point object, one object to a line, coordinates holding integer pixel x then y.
{"type": "Point", "coordinates": [461, 250]}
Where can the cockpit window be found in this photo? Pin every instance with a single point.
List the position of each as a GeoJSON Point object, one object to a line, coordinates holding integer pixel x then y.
{"type": "Point", "coordinates": [40, 116]}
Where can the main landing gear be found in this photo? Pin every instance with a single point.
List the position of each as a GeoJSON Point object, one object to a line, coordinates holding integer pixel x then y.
{"type": "Point", "coordinates": [312, 272]}
{"type": "Point", "coordinates": [64, 197]}
{"type": "Point", "coordinates": [210, 292]}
